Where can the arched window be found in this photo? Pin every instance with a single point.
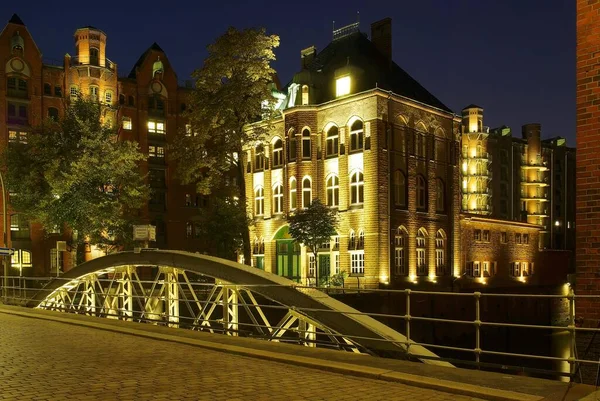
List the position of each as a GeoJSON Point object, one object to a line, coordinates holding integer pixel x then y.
{"type": "Point", "coordinates": [333, 190]}
{"type": "Point", "coordinates": [277, 153]}
{"type": "Point", "coordinates": [421, 193]}
{"type": "Point", "coordinates": [278, 199]}
{"type": "Point", "coordinates": [361, 240]}
{"type": "Point", "coordinates": [259, 201]}
{"type": "Point", "coordinates": [53, 113]}
{"type": "Point", "coordinates": [421, 252]}
{"type": "Point", "coordinates": [304, 94]}
{"type": "Point", "coordinates": [255, 247]}
{"type": "Point", "coordinates": [440, 201]}
{"type": "Point", "coordinates": [293, 192]}
{"type": "Point", "coordinates": [420, 144]}
{"type": "Point", "coordinates": [356, 136]}
{"type": "Point", "coordinates": [399, 189]}
{"type": "Point", "coordinates": [259, 246]}
{"type": "Point", "coordinates": [440, 253]}
{"type": "Point", "coordinates": [306, 193]}
{"type": "Point", "coordinates": [131, 101]}
{"type": "Point", "coordinates": [357, 190]}
{"type": "Point", "coordinates": [306, 144]}
{"type": "Point", "coordinates": [479, 149]}
{"type": "Point", "coordinates": [352, 240]}
{"type": "Point", "coordinates": [259, 158]}
{"type": "Point", "coordinates": [332, 144]}
{"type": "Point", "coordinates": [291, 145]}
{"type": "Point", "coordinates": [121, 99]}
{"type": "Point", "coordinates": [399, 253]}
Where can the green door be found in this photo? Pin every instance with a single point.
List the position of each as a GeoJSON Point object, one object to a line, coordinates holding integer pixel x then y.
{"type": "Point", "coordinates": [324, 269]}
{"type": "Point", "coordinates": [288, 259]}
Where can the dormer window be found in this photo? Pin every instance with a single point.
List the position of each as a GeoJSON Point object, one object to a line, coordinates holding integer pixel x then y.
{"type": "Point", "coordinates": [304, 94]}
{"type": "Point", "coordinates": [342, 86]}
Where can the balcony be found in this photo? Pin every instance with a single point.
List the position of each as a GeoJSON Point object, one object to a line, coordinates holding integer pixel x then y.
{"type": "Point", "coordinates": [92, 61]}
{"type": "Point", "coordinates": [534, 198]}
{"type": "Point", "coordinates": [534, 166]}
{"type": "Point", "coordinates": [17, 93]}
{"type": "Point", "coordinates": [536, 183]}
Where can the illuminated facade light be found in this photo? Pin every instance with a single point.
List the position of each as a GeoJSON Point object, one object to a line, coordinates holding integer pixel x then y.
{"type": "Point", "coordinates": [342, 86]}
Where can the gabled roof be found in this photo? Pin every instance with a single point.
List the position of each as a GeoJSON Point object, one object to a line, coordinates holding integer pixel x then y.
{"type": "Point", "coordinates": [357, 51]}
{"type": "Point", "coordinates": [16, 20]}
{"type": "Point", "coordinates": [140, 61]}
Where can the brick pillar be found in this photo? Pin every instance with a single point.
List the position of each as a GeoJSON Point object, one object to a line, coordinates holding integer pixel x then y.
{"type": "Point", "coordinates": [588, 174]}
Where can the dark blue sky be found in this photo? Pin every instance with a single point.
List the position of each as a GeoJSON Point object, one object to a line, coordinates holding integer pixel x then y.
{"type": "Point", "coordinates": [515, 58]}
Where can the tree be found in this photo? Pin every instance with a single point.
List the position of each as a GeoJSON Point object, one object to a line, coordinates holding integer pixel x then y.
{"type": "Point", "coordinates": [233, 90]}
{"type": "Point", "coordinates": [312, 227]}
{"type": "Point", "coordinates": [221, 225]}
{"type": "Point", "coordinates": [75, 173]}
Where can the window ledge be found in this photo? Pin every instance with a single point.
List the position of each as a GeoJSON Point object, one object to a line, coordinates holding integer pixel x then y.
{"type": "Point", "coordinates": [331, 156]}
{"type": "Point", "coordinates": [356, 206]}
{"type": "Point", "coordinates": [351, 152]}
{"type": "Point", "coordinates": [356, 275]}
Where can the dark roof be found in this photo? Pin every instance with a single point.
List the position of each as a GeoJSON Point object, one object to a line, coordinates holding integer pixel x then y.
{"type": "Point", "coordinates": [357, 51]}
{"type": "Point", "coordinates": [138, 63]}
{"type": "Point", "coordinates": [16, 20]}
{"type": "Point", "coordinates": [472, 106]}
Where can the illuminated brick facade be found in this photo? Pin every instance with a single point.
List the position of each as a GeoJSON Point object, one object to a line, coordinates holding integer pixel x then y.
{"type": "Point", "coordinates": [523, 179]}
{"type": "Point", "coordinates": [147, 106]}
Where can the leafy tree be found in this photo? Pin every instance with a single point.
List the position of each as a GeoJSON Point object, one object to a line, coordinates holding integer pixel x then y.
{"type": "Point", "coordinates": [233, 92]}
{"type": "Point", "coordinates": [312, 227]}
{"type": "Point", "coordinates": [75, 173]}
{"type": "Point", "coordinates": [221, 225]}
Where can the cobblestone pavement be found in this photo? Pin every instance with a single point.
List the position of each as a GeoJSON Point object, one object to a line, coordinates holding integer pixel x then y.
{"type": "Point", "coordinates": [42, 360]}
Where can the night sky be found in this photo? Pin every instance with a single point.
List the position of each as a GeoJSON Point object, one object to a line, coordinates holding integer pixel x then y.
{"type": "Point", "coordinates": [515, 58]}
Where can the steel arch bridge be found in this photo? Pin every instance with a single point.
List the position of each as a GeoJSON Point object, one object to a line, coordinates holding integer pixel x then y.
{"type": "Point", "coordinates": [205, 293]}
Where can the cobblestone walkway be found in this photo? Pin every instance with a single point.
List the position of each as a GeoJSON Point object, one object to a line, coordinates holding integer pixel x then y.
{"type": "Point", "coordinates": [41, 360]}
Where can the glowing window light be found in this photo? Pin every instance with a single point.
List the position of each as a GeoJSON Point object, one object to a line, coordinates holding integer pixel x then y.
{"type": "Point", "coordinates": [342, 86]}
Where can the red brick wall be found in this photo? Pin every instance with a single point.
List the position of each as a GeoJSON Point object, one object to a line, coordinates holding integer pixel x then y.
{"type": "Point", "coordinates": [588, 156]}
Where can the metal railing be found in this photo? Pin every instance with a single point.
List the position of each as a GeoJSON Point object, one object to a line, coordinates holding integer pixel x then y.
{"type": "Point", "coordinates": [20, 290]}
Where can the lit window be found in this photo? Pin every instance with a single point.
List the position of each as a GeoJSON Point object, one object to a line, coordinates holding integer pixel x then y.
{"type": "Point", "coordinates": [293, 192]}
{"type": "Point", "coordinates": [356, 136]}
{"type": "Point", "coordinates": [476, 269]}
{"type": "Point", "coordinates": [127, 123]}
{"type": "Point", "coordinates": [16, 136]}
{"type": "Point", "coordinates": [332, 142]}
{"type": "Point", "coordinates": [486, 269]}
{"type": "Point", "coordinates": [94, 93]}
{"type": "Point", "coordinates": [306, 193]}
{"type": "Point", "coordinates": [357, 262]}
{"type": "Point", "coordinates": [74, 92]}
{"type": "Point", "coordinates": [156, 127]}
{"type": "Point", "coordinates": [188, 229]}
{"type": "Point", "coordinates": [399, 258]}
{"type": "Point", "coordinates": [440, 253]}
{"type": "Point", "coordinates": [524, 269]}
{"type": "Point", "coordinates": [357, 189]}
{"type": "Point", "coordinates": [156, 151]}
{"type": "Point", "coordinates": [259, 201]}
{"type": "Point", "coordinates": [421, 255]}
{"type": "Point", "coordinates": [336, 263]}
{"type": "Point", "coordinates": [278, 199]}
{"type": "Point", "coordinates": [311, 265]}
{"type": "Point", "coordinates": [333, 190]}
{"type": "Point", "coordinates": [108, 97]}
{"type": "Point", "coordinates": [516, 269]}
{"type": "Point", "coordinates": [278, 153]}
{"type": "Point", "coordinates": [342, 86]}
{"type": "Point", "coordinates": [304, 94]}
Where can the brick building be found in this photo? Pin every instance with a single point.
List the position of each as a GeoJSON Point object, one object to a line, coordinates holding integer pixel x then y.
{"type": "Point", "coordinates": [361, 135]}
{"type": "Point", "coordinates": [522, 179]}
{"type": "Point", "coordinates": [146, 104]}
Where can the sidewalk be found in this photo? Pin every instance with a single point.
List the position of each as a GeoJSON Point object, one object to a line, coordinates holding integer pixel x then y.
{"type": "Point", "coordinates": [471, 383]}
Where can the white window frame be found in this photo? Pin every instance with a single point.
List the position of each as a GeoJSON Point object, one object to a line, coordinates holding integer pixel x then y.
{"type": "Point", "coordinates": [126, 123]}
{"type": "Point", "coordinates": [357, 262]}
{"type": "Point", "coordinates": [293, 194]}
{"type": "Point", "coordinates": [399, 253]}
{"type": "Point", "coordinates": [278, 199]}
{"type": "Point", "coordinates": [259, 201]}
{"type": "Point", "coordinates": [357, 189]}
{"type": "Point", "coordinates": [476, 269]}
{"type": "Point", "coordinates": [312, 265]}
{"type": "Point", "coordinates": [156, 127]}
{"type": "Point", "coordinates": [306, 193]}
{"type": "Point", "coordinates": [333, 190]}
{"type": "Point", "coordinates": [357, 136]}
{"type": "Point", "coordinates": [277, 154]}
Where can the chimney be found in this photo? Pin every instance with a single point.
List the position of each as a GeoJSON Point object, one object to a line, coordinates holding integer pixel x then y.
{"type": "Point", "coordinates": [381, 36]}
{"type": "Point", "coordinates": [308, 55]}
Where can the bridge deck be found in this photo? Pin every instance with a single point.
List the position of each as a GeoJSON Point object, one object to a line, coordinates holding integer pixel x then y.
{"type": "Point", "coordinates": [49, 359]}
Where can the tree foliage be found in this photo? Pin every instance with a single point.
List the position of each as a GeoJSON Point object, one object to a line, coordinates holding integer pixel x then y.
{"type": "Point", "coordinates": [221, 225]}
{"type": "Point", "coordinates": [233, 89]}
{"type": "Point", "coordinates": [313, 226]}
{"type": "Point", "coordinates": [76, 173]}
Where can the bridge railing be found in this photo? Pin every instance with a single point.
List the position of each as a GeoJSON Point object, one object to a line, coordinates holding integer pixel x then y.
{"type": "Point", "coordinates": [20, 290]}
